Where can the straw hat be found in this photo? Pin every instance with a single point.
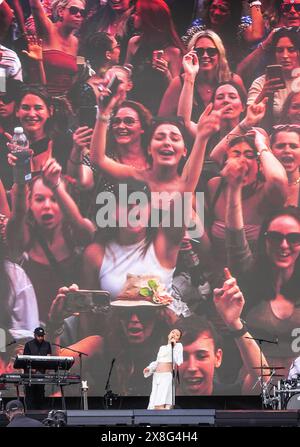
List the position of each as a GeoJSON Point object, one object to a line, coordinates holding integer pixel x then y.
{"type": "Point", "coordinates": [142, 290]}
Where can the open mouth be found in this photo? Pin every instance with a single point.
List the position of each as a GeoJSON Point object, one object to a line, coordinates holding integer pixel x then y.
{"type": "Point", "coordinates": [135, 330]}
{"type": "Point", "coordinates": [166, 152]}
{"type": "Point", "coordinates": [47, 217]}
{"type": "Point", "coordinates": [193, 383]}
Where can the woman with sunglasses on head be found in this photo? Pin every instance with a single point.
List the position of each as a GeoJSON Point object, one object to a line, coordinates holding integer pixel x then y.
{"type": "Point", "coordinates": [270, 280]}
{"type": "Point", "coordinates": [264, 187]}
{"type": "Point", "coordinates": [213, 69]}
{"type": "Point", "coordinates": [60, 45]}
{"type": "Point", "coordinates": [155, 53]}
{"type": "Point", "coordinates": [285, 145]}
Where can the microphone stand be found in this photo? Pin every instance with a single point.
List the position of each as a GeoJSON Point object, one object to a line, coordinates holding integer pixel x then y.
{"type": "Point", "coordinates": [260, 341]}
{"type": "Point", "coordinates": [80, 354]}
{"type": "Point", "coordinates": [109, 395]}
{"type": "Point", "coordinates": [173, 375]}
{"type": "Point", "coordinates": [8, 344]}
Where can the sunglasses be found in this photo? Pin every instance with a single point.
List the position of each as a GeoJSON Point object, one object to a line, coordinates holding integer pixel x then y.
{"type": "Point", "coordinates": [144, 314]}
{"type": "Point", "coordinates": [74, 10]}
{"type": "Point", "coordinates": [211, 52]}
{"type": "Point", "coordinates": [287, 7]}
{"type": "Point", "coordinates": [275, 237]}
{"type": "Point", "coordinates": [128, 120]}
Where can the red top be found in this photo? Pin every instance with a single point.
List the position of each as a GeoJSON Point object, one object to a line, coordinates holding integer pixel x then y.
{"type": "Point", "coordinates": [60, 68]}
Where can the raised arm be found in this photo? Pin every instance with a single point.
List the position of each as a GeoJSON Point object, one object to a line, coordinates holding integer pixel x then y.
{"type": "Point", "coordinates": [168, 105]}
{"type": "Point", "coordinates": [208, 124]}
{"type": "Point", "coordinates": [229, 302]}
{"type": "Point", "coordinates": [6, 17]}
{"type": "Point", "coordinates": [246, 68]}
{"type": "Point", "coordinates": [256, 30]}
{"type": "Point", "coordinates": [239, 255]}
{"type": "Point", "coordinates": [75, 167]}
{"type": "Point", "coordinates": [276, 182]}
{"type": "Point", "coordinates": [185, 105]}
{"type": "Point", "coordinates": [43, 24]}
{"type": "Point", "coordinates": [255, 113]}
{"type": "Point", "coordinates": [83, 227]}
{"type": "Point", "coordinates": [98, 144]}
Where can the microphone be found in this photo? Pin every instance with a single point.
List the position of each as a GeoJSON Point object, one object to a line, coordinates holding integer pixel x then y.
{"type": "Point", "coordinates": [173, 344]}
{"type": "Point", "coordinates": [11, 343]}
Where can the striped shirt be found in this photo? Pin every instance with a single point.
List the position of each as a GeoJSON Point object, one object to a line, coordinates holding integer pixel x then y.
{"type": "Point", "coordinates": [10, 64]}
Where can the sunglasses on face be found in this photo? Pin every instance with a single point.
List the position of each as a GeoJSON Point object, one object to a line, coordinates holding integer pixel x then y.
{"type": "Point", "coordinates": [287, 7]}
{"type": "Point", "coordinates": [128, 120]}
{"type": "Point", "coordinates": [143, 315]}
{"type": "Point", "coordinates": [74, 10]}
{"type": "Point", "coordinates": [211, 52]}
{"type": "Point", "coordinates": [275, 237]}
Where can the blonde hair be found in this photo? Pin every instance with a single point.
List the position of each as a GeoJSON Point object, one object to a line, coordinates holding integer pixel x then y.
{"type": "Point", "coordinates": [61, 4]}
{"type": "Point", "coordinates": [224, 74]}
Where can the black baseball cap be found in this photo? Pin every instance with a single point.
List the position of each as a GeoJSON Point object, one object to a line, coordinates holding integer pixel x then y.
{"type": "Point", "coordinates": [14, 405]}
{"type": "Point", "coordinates": [39, 331]}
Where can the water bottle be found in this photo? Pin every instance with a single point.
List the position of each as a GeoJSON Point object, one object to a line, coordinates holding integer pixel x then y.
{"type": "Point", "coordinates": [20, 149]}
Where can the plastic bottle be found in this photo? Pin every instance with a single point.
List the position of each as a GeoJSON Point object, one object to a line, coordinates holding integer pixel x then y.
{"type": "Point", "coordinates": [20, 149]}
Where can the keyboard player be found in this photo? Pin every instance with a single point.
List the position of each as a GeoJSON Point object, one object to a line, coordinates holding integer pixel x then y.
{"type": "Point", "coordinates": [35, 394]}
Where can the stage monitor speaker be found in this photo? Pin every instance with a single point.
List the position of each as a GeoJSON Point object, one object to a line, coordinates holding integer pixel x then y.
{"type": "Point", "coordinates": [99, 417]}
{"type": "Point", "coordinates": [257, 418]}
{"type": "Point", "coordinates": [174, 417]}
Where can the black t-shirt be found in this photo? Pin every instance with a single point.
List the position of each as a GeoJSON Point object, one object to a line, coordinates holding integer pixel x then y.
{"type": "Point", "coordinates": [34, 348]}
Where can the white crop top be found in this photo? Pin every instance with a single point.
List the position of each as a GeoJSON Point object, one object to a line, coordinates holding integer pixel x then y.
{"type": "Point", "coordinates": [165, 356]}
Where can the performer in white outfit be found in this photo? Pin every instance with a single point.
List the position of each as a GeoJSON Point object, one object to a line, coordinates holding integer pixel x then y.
{"type": "Point", "coordinates": [163, 387]}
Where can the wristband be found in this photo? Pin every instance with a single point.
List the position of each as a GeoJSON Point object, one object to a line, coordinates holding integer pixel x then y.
{"type": "Point", "coordinates": [239, 332]}
{"type": "Point", "coordinates": [102, 118]}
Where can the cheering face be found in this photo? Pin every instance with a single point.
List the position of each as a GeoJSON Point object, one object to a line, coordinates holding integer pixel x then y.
{"type": "Point", "coordinates": [286, 148]}
{"type": "Point", "coordinates": [137, 323]}
{"type": "Point", "coordinates": [246, 154]}
{"type": "Point", "coordinates": [33, 113]}
{"type": "Point", "coordinates": [294, 110]}
{"type": "Point", "coordinates": [290, 10]}
{"type": "Point", "coordinates": [208, 54]}
{"type": "Point", "coordinates": [167, 146]}
{"type": "Point", "coordinates": [283, 242]}
{"type": "Point", "coordinates": [126, 126]}
{"type": "Point", "coordinates": [44, 207]}
{"type": "Point", "coordinates": [219, 12]}
{"type": "Point", "coordinates": [199, 362]}
{"type": "Point", "coordinates": [227, 95]}
{"type": "Point", "coordinates": [287, 54]}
